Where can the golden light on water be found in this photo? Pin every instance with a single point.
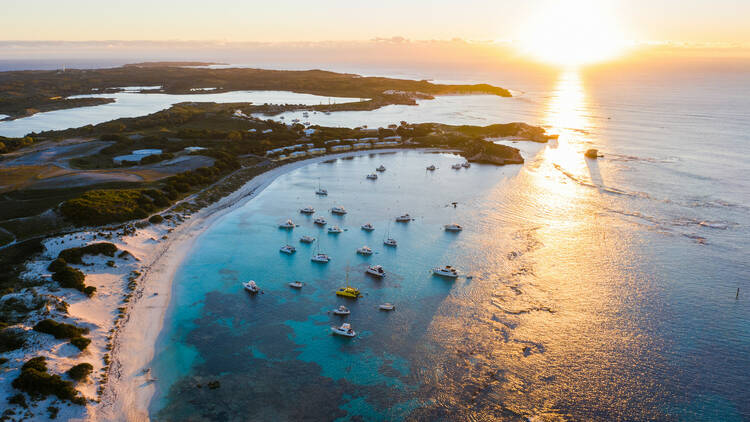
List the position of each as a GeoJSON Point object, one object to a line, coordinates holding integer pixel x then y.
{"type": "Point", "coordinates": [572, 32]}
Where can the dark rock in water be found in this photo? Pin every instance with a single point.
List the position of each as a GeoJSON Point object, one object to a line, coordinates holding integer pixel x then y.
{"type": "Point", "coordinates": [592, 153]}
{"type": "Point", "coordinates": [214, 385]}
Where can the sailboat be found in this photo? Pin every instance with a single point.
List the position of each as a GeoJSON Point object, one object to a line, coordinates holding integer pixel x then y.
{"type": "Point", "coordinates": [348, 291]}
{"type": "Point", "coordinates": [320, 257]}
{"type": "Point", "coordinates": [389, 241]}
{"type": "Point", "coordinates": [320, 190]}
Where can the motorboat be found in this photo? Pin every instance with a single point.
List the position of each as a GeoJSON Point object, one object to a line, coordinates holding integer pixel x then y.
{"type": "Point", "coordinates": [307, 239]}
{"type": "Point", "coordinates": [296, 284]}
{"type": "Point", "coordinates": [390, 242]}
{"type": "Point", "coordinates": [338, 210]}
{"type": "Point", "coordinates": [381, 168]}
{"type": "Point", "coordinates": [320, 257]}
{"type": "Point", "coordinates": [376, 270]}
{"type": "Point", "coordinates": [348, 291]}
{"type": "Point", "coordinates": [251, 287]}
{"type": "Point", "coordinates": [288, 224]}
{"type": "Point", "coordinates": [305, 114]}
{"type": "Point", "coordinates": [307, 210]}
{"type": "Point", "coordinates": [368, 227]}
{"type": "Point", "coordinates": [446, 271]}
{"type": "Point", "coordinates": [372, 176]}
{"type": "Point", "coordinates": [341, 310]}
{"type": "Point", "coordinates": [466, 165]}
{"type": "Point", "coordinates": [431, 167]}
{"type": "Point", "coordinates": [288, 249]}
{"type": "Point", "coordinates": [387, 306]}
{"type": "Point", "coordinates": [453, 227]}
{"type": "Point", "coordinates": [344, 330]}
{"type": "Point", "coordinates": [335, 230]}
{"type": "Point", "coordinates": [456, 167]}
{"type": "Point", "coordinates": [364, 250]}
{"type": "Point", "coordinates": [320, 221]}
{"type": "Point", "coordinates": [403, 218]}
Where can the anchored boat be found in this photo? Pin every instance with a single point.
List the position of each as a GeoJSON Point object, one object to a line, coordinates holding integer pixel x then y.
{"type": "Point", "coordinates": [251, 287]}
{"type": "Point", "coordinates": [446, 271]}
{"type": "Point", "coordinates": [376, 270]}
{"type": "Point", "coordinates": [344, 330]}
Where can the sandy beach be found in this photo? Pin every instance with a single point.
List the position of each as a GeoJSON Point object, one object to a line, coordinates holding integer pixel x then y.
{"type": "Point", "coordinates": [128, 392]}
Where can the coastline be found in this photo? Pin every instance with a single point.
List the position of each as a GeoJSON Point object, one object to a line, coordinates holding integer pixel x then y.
{"type": "Point", "coordinates": [128, 392]}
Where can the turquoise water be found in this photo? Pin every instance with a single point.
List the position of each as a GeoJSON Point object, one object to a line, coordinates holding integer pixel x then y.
{"type": "Point", "coordinates": [601, 290]}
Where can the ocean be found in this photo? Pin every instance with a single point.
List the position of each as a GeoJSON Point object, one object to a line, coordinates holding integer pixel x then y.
{"type": "Point", "coordinates": [599, 289]}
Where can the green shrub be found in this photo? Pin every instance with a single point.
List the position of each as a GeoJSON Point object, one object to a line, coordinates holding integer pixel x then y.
{"type": "Point", "coordinates": [35, 380]}
{"type": "Point", "coordinates": [156, 219]}
{"type": "Point", "coordinates": [59, 330]}
{"type": "Point", "coordinates": [70, 278]}
{"type": "Point", "coordinates": [3, 361]}
{"type": "Point", "coordinates": [57, 265]}
{"type": "Point", "coordinates": [53, 411]}
{"type": "Point", "coordinates": [75, 255]}
{"type": "Point", "coordinates": [80, 342]}
{"type": "Point", "coordinates": [11, 339]}
{"type": "Point", "coordinates": [18, 399]}
{"type": "Point", "coordinates": [80, 371]}
{"type": "Point", "coordinates": [89, 290]}
{"type": "Point", "coordinates": [103, 206]}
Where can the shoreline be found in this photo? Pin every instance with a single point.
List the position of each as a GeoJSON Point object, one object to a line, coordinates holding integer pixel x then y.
{"type": "Point", "coordinates": [128, 392]}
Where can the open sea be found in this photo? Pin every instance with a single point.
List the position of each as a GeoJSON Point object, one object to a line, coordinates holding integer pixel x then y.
{"type": "Point", "coordinates": [600, 289]}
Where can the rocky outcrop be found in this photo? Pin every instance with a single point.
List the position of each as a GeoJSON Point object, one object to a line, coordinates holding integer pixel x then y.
{"type": "Point", "coordinates": [592, 153]}
{"type": "Point", "coordinates": [486, 152]}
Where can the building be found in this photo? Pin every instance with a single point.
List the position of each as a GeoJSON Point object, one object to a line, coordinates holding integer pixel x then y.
{"type": "Point", "coordinates": [267, 130]}
{"type": "Point", "coordinates": [392, 138]}
{"type": "Point", "coordinates": [341, 148]}
{"type": "Point", "coordinates": [252, 130]}
{"type": "Point", "coordinates": [368, 139]}
{"type": "Point", "coordinates": [297, 154]}
{"type": "Point", "coordinates": [316, 151]}
{"type": "Point", "coordinates": [386, 144]}
{"type": "Point", "coordinates": [362, 145]}
{"type": "Point", "coordinates": [333, 141]}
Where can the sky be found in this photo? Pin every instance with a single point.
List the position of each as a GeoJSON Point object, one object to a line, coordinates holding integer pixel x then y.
{"type": "Point", "coordinates": [690, 21]}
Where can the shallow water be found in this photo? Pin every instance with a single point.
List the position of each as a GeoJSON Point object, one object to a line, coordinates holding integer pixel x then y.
{"type": "Point", "coordinates": [134, 104]}
{"type": "Point", "coordinates": [601, 290]}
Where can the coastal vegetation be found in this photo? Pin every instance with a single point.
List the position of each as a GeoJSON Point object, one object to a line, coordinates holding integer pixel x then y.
{"type": "Point", "coordinates": [75, 255]}
{"type": "Point", "coordinates": [37, 382]}
{"type": "Point", "coordinates": [80, 372]}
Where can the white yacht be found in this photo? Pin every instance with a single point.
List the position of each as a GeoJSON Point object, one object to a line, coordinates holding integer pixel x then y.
{"type": "Point", "coordinates": [431, 167]}
{"type": "Point", "coordinates": [320, 257]}
{"type": "Point", "coordinates": [364, 250]}
{"type": "Point", "coordinates": [296, 284]}
{"type": "Point", "coordinates": [344, 330]}
{"type": "Point", "coordinates": [466, 165]}
{"type": "Point", "coordinates": [368, 227]}
{"type": "Point", "coordinates": [320, 190]}
{"type": "Point", "coordinates": [376, 270]}
{"type": "Point", "coordinates": [338, 210]}
{"type": "Point", "coordinates": [372, 176]}
{"type": "Point", "coordinates": [288, 249]}
{"type": "Point", "coordinates": [307, 210]}
{"type": "Point", "coordinates": [403, 218]}
{"type": "Point", "coordinates": [251, 287]}
{"type": "Point", "coordinates": [305, 114]}
{"type": "Point", "coordinates": [320, 221]}
{"type": "Point", "coordinates": [288, 224]}
{"type": "Point", "coordinates": [307, 239]}
{"type": "Point", "coordinates": [381, 168]}
{"type": "Point", "coordinates": [446, 271]}
{"type": "Point", "coordinates": [387, 306]}
{"type": "Point", "coordinates": [453, 227]}
{"type": "Point", "coordinates": [456, 167]}
{"type": "Point", "coordinates": [342, 310]}
{"type": "Point", "coordinates": [335, 230]}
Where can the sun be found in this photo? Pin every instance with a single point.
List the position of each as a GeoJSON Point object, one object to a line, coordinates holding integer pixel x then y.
{"type": "Point", "coordinates": [573, 32]}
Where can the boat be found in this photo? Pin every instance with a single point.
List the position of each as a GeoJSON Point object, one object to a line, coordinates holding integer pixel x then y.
{"type": "Point", "coordinates": [334, 230]}
{"type": "Point", "coordinates": [307, 210]}
{"type": "Point", "coordinates": [341, 310]}
{"type": "Point", "coordinates": [456, 167]}
{"type": "Point", "coordinates": [368, 227]}
{"type": "Point", "coordinates": [307, 239]}
{"type": "Point", "coordinates": [376, 270]}
{"type": "Point", "coordinates": [320, 257]}
{"type": "Point", "coordinates": [296, 284]}
{"type": "Point", "coordinates": [453, 227]}
{"type": "Point", "coordinates": [288, 224]}
{"type": "Point", "coordinates": [320, 221]}
{"type": "Point", "coordinates": [372, 176]}
{"type": "Point", "coordinates": [344, 330]}
{"type": "Point", "coordinates": [348, 291]}
{"type": "Point", "coordinates": [381, 168]}
{"type": "Point", "coordinates": [390, 242]}
{"type": "Point", "coordinates": [403, 218]}
{"type": "Point", "coordinates": [466, 165]}
{"type": "Point", "coordinates": [288, 249]}
{"type": "Point", "coordinates": [431, 167]}
{"type": "Point", "coordinates": [251, 287]}
{"type": "Point", "coordinates": [305, 114]}
{"type": "Point", "coordinates": [338, 210]}
{"type": "Point", "coordinates": [320, 190]}
{"type": "Point", "coordinates": [364, 250]}
{"type": "Point", "coordinates": [387, 306]}
{"type": "Point", "coordinates": [446, 271]}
